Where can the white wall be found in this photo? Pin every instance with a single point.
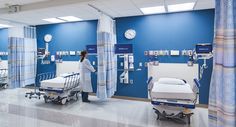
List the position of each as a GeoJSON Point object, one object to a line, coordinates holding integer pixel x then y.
{"type": "Point", "coordinates": [67, 67]}
{"type": "Point", "coordinates": [174, 70]}
{"type": "Point", "coordinates": [4, 64]}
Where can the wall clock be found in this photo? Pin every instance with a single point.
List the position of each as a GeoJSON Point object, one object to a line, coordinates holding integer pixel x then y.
{"type": "Point", "coordinates": [48, 38]}
{"type": "Point", "coordinates": [130, 34]}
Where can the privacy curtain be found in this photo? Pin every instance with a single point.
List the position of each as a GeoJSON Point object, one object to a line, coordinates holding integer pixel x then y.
{"type": "Point", "coordinates": [107, 60]}
{"type": "Point", "coordinates": [22, 56]}
{"type": "Point", "coordinates": [222, 101]}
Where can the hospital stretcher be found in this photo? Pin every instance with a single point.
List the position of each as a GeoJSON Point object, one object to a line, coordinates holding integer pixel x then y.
{"type": "Point", "coordinates": [61, 89]}
{"type": "Point", "coordinates": [173, 101]}
{"type": "Point", "coordinates": [3, 78]}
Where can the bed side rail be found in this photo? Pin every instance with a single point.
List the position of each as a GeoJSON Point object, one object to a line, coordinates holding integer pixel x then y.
{"type": "Point", "coordinates": [3, 72]}
{"type": "Point", "coordinates": [196, 88]}
{"type": "Point", "coordinates": [3, 76]}
{"type": "Point", "coordinates": [71, 81]}
{"type": "Point", "coordinates": [45, 76]}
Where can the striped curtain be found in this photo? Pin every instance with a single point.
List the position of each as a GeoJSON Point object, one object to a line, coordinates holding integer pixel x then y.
{"type": "Point", "coordinates": [22, 56]}
{"type": "Point", "coordinates": [107, 60]}
{"type": "Point", "coordinates": [222, 99]}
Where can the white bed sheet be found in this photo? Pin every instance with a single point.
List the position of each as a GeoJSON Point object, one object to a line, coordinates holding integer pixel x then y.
{"type": "Point", "coordinates": [57, 82]}
{"type": "Point", "coordinates": [171, 91]}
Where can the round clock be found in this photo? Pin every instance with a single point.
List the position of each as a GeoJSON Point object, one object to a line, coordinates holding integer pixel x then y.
{"type": "Point", "coordinates": [48, 38]}
{"type": "Point", "coordinates": [130, 34]}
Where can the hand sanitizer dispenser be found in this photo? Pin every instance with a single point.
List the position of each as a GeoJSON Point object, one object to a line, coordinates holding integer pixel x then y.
{"type": "Point", "coordinates": [131, 62]}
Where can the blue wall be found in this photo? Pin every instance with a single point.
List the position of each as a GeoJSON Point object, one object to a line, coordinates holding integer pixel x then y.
{"type": "Point", "coordinates": [3, 42]}
{"type": "Point", "coordinates": [166, 31]}
{"type": "Point", "coordinates": [67, 37]}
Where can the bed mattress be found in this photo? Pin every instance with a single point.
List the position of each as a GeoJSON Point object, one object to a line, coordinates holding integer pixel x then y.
{"type": "Point", "coordinates": [57, 82]}
{"type": "Point", "coordinates": [171, 91]}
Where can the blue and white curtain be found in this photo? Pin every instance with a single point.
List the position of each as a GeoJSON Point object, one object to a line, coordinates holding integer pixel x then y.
{"type": "Point", "coordinates": [107, 60]}
{"type": "Point", "coordinates": [22, 56]}
{"type": "Point", "coordinates": [222, 100]}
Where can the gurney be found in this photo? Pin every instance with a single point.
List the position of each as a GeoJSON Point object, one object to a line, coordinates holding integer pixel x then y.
{"type": "Point", "coordinates": [173, 99]}
{"type": "Point", "coordinates": [3, 78]}
{"type": "Point", "coordinates": [61, 89]}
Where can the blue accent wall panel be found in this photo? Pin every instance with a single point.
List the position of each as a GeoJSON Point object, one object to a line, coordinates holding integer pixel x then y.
{"type": "Point", "coordinates": [4, 42]}
{"type": "Point", "coordinates": [67, 37]}
{"type": "Point", "coordinates": [165, 31]}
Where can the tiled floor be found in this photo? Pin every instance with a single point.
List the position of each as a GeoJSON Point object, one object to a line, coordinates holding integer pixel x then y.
{"type": "Point", "coordinates": [18, 111]}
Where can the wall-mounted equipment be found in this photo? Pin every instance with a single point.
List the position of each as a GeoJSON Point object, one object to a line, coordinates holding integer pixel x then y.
{"type": "Point", "coordinates": [125, 51]}
{"type": "Point", "coordinates": [3, 53]}
{"type": "Point", "coordinates": [72, 53]}
{"type": "Point", "coordinates": [174, 52]}
{"type": "Point", "coordinates": [43, 55]}
{"type": "Point", "coordinates": [203, 51]}
{"type": "Point", "coordinates": [91, 49]}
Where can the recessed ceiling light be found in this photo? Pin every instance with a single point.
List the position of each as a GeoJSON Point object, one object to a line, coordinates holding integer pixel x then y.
{"type": "Point", "coordinates": [181, 7]}
{"type": "Point", "coordinates": [54, 20]}
{"type": "Point", "coordinates": [5, 26]}
{"type": "Point", "coordinates": [153, 10]}
{"type": "Point", "coordinates": [70, 18]}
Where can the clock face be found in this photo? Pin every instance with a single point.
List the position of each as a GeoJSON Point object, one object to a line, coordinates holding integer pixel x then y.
{"type": "Point", "coordinates": [48, 38]}
{"type": "Point", "coordinates": [130, 34]}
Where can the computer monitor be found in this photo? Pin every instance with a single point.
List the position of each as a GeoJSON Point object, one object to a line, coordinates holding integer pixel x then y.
{"type": "Point", "coordinates": [123, 48]}
{"type": "Point", "coordinates": [91, 49]}
{"type": "Point", "coordinates": [204, 48]}
{"type": "Point", "coordinates": [41, 51]}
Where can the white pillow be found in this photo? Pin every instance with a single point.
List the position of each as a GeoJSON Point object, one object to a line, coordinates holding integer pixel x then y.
{"type": "Point", "coordinates": [173, 81]}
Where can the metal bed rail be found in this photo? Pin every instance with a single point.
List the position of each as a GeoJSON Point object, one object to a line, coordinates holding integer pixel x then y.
{"type": "Point", "coordinates": [70, 90]}
{"type": "Point", "coordinates": [3, 77]}
{"type": "Point", "coordinates": [46, 76]}
{"type": "Point", "coordinates": [71, 81]}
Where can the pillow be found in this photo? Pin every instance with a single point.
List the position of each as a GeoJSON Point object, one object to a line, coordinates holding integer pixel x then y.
{"type": "Point", "coordinates": [173, 81]}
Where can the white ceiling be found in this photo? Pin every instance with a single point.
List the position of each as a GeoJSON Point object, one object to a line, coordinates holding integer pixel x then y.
{"type": "Point", "coordinates": [34, 12]}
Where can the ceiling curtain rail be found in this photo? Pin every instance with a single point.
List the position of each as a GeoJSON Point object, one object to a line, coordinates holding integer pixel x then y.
{"type": "Point", "coordinates": [99, 10]}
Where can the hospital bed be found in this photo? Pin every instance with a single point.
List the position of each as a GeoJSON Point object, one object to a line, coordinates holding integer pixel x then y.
{"type": "Point", "coordinates": [3, 78]}
{"type": "Point", "coordinates": [173, 99]}
{"type": "Point", "coordinates": [61, 89]}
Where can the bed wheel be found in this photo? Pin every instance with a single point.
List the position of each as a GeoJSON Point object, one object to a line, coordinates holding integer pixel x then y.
{"type": "Point", "coordinates": [77, 96]}
{"type": "Point", "coordinates": [63, 101]}
{"type": "Point", "coordinates": [158, 116]}
{"type": "Point", "coordinates": [45, 99]}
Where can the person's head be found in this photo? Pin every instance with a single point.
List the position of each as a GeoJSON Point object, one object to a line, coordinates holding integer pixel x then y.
{"type": "Point", "coordinates": [83, 55]}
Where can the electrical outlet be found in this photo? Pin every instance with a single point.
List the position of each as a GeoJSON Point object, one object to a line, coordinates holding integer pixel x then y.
{"type": "Point", "coordinates": [131, 81]}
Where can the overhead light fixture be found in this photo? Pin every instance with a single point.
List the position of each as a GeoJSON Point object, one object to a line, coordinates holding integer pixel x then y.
{"type": "Point", "coordinates": [153, 10]}
{"type": "Point", "coordinates": [54, 20]}
{"type": "Point", "coordinates": [181, 7]}
{"type": "Point", "coordinates": [5, 26]}
{"type": "Point", "coordinates": [70, 18]}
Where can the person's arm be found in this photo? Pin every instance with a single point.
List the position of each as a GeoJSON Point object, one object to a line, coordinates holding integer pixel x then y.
{"type": "Point", "coordinates": [89, 66]}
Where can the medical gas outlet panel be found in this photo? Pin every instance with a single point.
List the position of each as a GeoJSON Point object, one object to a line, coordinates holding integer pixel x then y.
{"type": "Point", "coordinates": [154, 55]}
{"type": "Point", "coordinates": [125, 52]}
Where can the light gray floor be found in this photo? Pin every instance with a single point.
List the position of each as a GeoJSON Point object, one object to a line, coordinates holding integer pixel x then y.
{"type": "Point", "coordinates": [18, 111]}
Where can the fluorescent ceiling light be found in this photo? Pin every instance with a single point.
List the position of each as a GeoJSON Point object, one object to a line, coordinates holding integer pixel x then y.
{"type": "Point", "coordinates": [70, 18]}
{"type": "Point", "coordinates": [153, 10]}
{"type": "Point", "coordinates": [5, 26]}
{"type": "Point", "coordinates": [181, 7]}
{"type": "Point", "coordinates": [54, 20]}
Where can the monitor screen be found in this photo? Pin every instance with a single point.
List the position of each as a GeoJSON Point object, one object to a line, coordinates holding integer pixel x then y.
{"type": "Point", "coordinates": [123, 48]}
{"type": "Point", "coordinates": [41, 51]}
{"type": "Point", "coordinates": [203, 48]}
{"type": "Point", "coordinates": [91, 49]}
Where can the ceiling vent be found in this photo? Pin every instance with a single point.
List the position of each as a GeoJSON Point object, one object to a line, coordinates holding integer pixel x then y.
{"type": "Point", "coordinates": [14, 8]}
